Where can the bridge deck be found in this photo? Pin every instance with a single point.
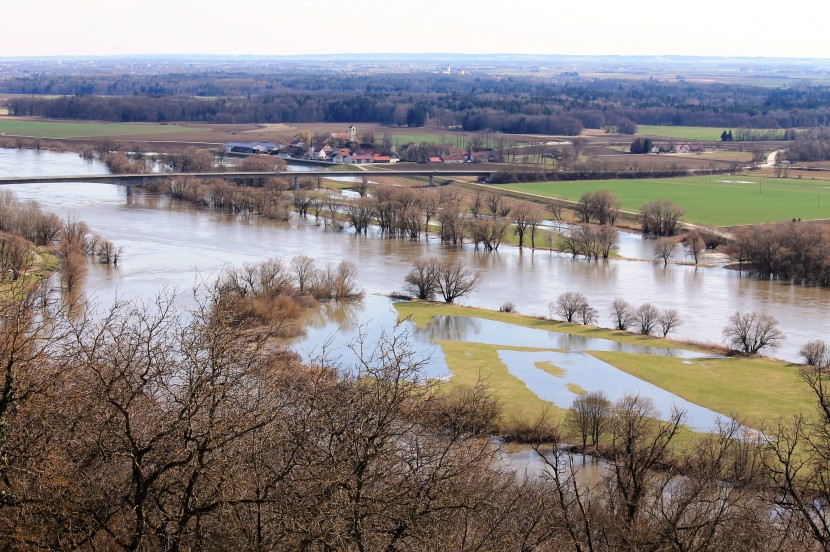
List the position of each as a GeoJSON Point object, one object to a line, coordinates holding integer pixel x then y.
{"type": "Point", "coordinates": [138, 179]}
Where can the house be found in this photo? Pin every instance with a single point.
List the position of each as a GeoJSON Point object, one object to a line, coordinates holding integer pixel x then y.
{"type": "Point", "coordinates": [252, 148]}
{"type": "Point", "coordinates": [379, 158]}
{"type": "Point", "coordinates": [682, 148]}
{"type": "Point", "coordinates": [324, 152]}
{"type": "Point", "coordinates": [482, 157]}
{"type": "Point", "coordinates": [296, 150]}
{"type": "Point", "coordinates": [435, 160]}
{"type": "Point", "coordinates": [654, 149]}
{"type": "Point", "coordinates": [362, 159]}
{"type": "Point", "coordinates": [339, 158]}
{"type": "Point", "coordinates": [452, 159]}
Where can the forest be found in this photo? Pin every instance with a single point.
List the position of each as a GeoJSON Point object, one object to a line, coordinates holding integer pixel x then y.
{"type": "Point", "coordinates": [514, 104]}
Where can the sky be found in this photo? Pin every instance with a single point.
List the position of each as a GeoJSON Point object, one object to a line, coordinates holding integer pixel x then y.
{"type": "Point", "coordinates": [765, 28]}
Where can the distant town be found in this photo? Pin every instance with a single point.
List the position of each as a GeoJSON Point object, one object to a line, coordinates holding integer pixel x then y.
{"type": "Point", "coordinates": [346, 149]}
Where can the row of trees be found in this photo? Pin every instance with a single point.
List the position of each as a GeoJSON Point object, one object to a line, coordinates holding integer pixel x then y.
{"type": "Point", "coordinates": [24, 225]}
{"type": "Point", "coordinates": [745, 332]}
{"type": "Point", "coordinates": [591, 241]}
{"type": "Point", "coordinates": [573, 306]}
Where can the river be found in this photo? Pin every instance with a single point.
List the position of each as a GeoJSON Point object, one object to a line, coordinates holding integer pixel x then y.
{"type": "Point", "coordinates": [170, 243]}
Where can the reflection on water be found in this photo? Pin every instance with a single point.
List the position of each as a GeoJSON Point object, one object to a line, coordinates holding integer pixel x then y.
{"type": "Point", "coordinates": [526, 462]}
{"type": "Point", "coordinates": [450, 328]}
{"type": "Point", "coordinates": [492, 332]}
{"type": "Point", "coordinates": [337, 330]}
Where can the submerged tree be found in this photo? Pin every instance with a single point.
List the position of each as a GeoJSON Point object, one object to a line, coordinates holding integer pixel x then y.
{"type": "Point", "coordinates": [454, 280]}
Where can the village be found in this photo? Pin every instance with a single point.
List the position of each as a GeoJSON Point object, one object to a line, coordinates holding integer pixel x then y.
{"type": "Point", "coordinates": [346, 149]}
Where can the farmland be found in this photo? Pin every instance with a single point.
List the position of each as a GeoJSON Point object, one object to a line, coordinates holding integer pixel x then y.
{"type": "Point", "coordinates": [718, 200]}
{"type": "Point", "coordinates": [707, 134]}
{"type": "Point", "coordinates": [58, 129]}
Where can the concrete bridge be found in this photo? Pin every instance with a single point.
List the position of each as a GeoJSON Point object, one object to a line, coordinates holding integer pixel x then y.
{"type": "Point", "coordinates": [130, 180]}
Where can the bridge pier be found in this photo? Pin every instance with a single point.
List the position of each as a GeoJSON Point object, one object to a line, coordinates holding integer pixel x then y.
{"type": "Point", "coordinates": [431, 181]}
{"type": "Point", "coordinates": [129, 190]}
{"type": "Point", "coordinates": [296, 183]}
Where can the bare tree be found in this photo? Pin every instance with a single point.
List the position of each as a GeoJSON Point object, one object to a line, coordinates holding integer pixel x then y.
{"type": "Point", "coordinates": [108, 252]}
{"type": "Point", "coordinates": [488, 232]}
{"type": "Point", "coordinates": [623, 315]}
{"type": "Point", "coordinates": [660, 217]}
{"type": "Point", "coordinates": [17, 257]}
{"type": "Point", "coordinates": [663, 250]}
{"type": "Point", "coordinates": [421, 280]}
{"type": "Point", "coordinates": [454, 280]}
{"type": "Point", "coordinates": [588, 314]}
{"type": "Point", "coordinates": [362, 186]}
{"type": "Point", "coordinates": [752, 332]}
{"type": "Point", "coordinates": [498, 207]}
{"type": "Point", "coordinates": [336, 283]}
{"type": "Point", "coordinates": [360, 214]}
{"type": "Point", "coordinates": [601, 205]}
{"type": "Point", "coordinates": [521, 216]}
{"type": "Point", "coordinates": [332, 207]}
{"type": "Point", "coordinates": [534, 220]}
{"type": "Point", "coordinates": [430, 201]}
{"type": "Point", "coordinates": [797, 464]}
{"type": "Point", "coordinates": [639, 444]}
{"type": "Point", "coordinates": [669, 320]}
{"type": "Point", "coordinates": [555, 209]}
{"type": "Point", "coordinates": [303, 268]}
{"type": "Point", "coordinates": [606, 239]}
{"type": "Point", "coordinates": [588, 416]}
{"type": "Point", "coordinates": [302, 201]}
{"type": "Point", "coordinates": [476, 204]}
{"type": "Point", "coordinates": [569, 305]}
{"type": "Point", "coordinates": [647, 317]}
{"type": "Point", "coordinates": [694, 244]}
{"type": "Point", "coordinates": [815, 353]}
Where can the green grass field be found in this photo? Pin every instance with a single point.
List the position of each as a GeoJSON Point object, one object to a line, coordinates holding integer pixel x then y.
{"type": "Point", "coordinates": [754, 390]}
{"type": "Point", "coordinates": [706, 134]}
{"type": "Point", "coordinates": [723, 200]}
{"type": "Point", "coordinates": [404, 138]}
{"type": "Point", "coordinates": [55, 129]}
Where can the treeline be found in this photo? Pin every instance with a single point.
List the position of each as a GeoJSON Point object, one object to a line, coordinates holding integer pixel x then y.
{"type": "Point", "coordinates": [592, 172]}
{"type": "Point", "coordinates": [813, 145]}
{"type": "Point", "coordinates": [789, 251]}
{"type": "Point", "coordinates": [24, 225]}
{"type": "Point", "coordinates": [510, 105]}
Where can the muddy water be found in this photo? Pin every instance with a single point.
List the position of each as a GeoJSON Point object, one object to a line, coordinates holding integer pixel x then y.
{"type": "Point", "coordinates": [169, 243]}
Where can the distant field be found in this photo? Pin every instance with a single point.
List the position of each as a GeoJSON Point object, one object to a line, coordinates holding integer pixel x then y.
{"type": "Point", "coordinates": [403, 138]}
{"type": "Point", "coordinates": [706, 134]}
{"type": "Point", "coordinates": [722, 201]}
{"type": "Point", "coordinates": [56, 129]}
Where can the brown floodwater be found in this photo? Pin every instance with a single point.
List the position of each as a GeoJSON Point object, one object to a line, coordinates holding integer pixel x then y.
{"type": "Point", "coordinates": [169, 243]}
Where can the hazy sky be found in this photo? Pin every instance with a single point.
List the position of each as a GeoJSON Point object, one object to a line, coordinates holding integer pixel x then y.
{"type": "Point", "coordinates": [771, 28]}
